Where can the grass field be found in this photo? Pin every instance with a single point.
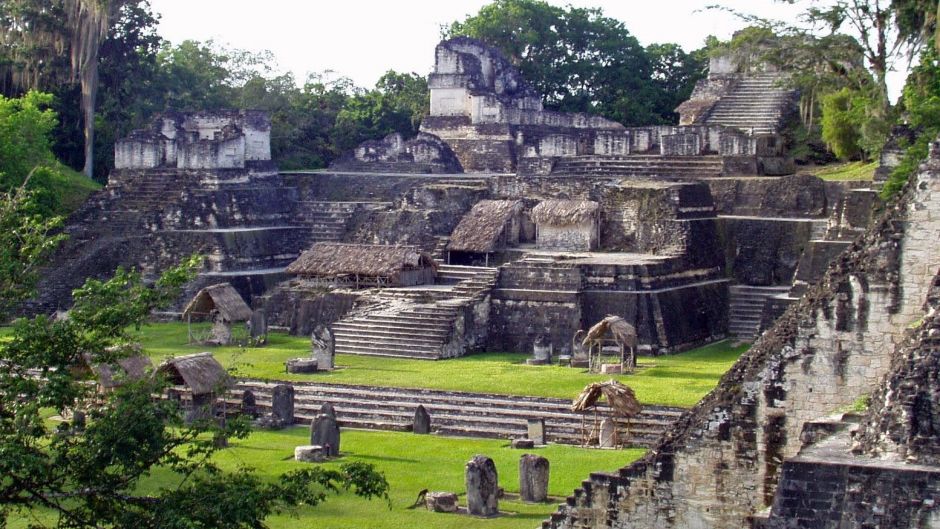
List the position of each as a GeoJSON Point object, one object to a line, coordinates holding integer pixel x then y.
{"type": "Point", "coordinates": [673, 380]}
{"type": "Point", "coordinates": [411, 463]}
{"type": "Point", "coordinates": [848, 171]}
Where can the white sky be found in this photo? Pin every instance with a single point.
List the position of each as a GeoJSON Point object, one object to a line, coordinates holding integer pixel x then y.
{"type": "Point", "coordinates": [362, 39]}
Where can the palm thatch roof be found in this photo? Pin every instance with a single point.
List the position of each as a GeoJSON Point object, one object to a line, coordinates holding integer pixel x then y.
{"type": "Point", "coordinates": [372, 260]}
{"type": "Point", "coordinates": [619, 329]}
{"type": "Point", "coordinates": [564, 212]}
{"type": "Point", "coordinates": [127, 369]}
{"type": "Point", "coordinates": [620, 397]}
{"type": "Point", "coordinates": [480, 229]}
{"type": "Point", "coordinates": [221, 297]}
{"type": "Point", "coordinates": [200, 372]}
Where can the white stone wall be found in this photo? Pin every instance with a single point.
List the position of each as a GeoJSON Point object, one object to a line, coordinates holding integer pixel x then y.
{"type": "Point", "coordinates": [573, 238]}
{"type": "Point", "coordinates": [257, 144]}
{"type": "Point", "coordinates": [558, 145]}
{"type": "Point", "coordinates": [134, 154]}
{"type": "Point", "coordinates": [212, 155]}
{"type": "Point", "coordinates": [612, 143]}
{"type": "Point", "coordinates": [450, 102]}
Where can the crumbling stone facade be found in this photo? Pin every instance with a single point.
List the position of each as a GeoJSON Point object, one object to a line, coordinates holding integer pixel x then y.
{"type": "Point", "coordinates": [201, 140]}
{"type": "Point", "coordinates": [722, 463]}
{"type": "Point", "coordinates": [425, 153]}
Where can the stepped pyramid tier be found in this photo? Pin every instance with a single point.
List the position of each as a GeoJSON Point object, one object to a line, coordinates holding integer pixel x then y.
{"type": "Point", "coordinates": [192, 183]}
{"type": "Point", "coordinates": [454, 413]}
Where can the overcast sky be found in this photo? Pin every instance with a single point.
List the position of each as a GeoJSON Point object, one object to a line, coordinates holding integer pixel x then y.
{"type": "Point", "coordinates": [361, 39]}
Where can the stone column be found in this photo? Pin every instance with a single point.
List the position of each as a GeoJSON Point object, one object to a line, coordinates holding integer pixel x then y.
{"type": "Point", "coordinates": [608, 434]}
{"type": "Point", "coordinates": [536, 431]}
{"type": "Point", "coordinates": [482, 487]}
{"type": "Point", "coordinates": [533, 478]}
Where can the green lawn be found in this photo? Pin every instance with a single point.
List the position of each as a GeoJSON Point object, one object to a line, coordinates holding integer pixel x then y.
{"type": "Point", "coordinates": [411, 463]}
{"type": "Point", "coordinates": [848, 171]}
{"type": "Point", "coordinates": [673, 380]}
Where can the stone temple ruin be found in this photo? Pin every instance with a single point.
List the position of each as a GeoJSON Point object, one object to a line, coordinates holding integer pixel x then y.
{"type": "Point", "coordinates": [504, 226]}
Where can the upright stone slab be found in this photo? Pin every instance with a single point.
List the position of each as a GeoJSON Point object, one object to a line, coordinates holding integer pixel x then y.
{"type": "Point", "coordinates": [249, 404]}
{"type": "Point", "coordinates": [258, 326]}
{"type": "Point", "coordinates": [325, 432]}
{"type": "Point", "coordinates": [422, 422]}
{"type": "Point", "coordinates": [533, 478]}
{"type": "Point", "coordinates": [607, 438]}
{"type": "Point", "coordinates": [322, 348]}
{"type": "Point", "coordinates": [537, 431]}
{"type": "Point", "coordinates": [328, 409]}
{"type": "Point", "coordinates": [482, 487]}
{"type": "Point", "coordinates": [282, 404]}
{"type": "Point", "coordinates": [78, 421]}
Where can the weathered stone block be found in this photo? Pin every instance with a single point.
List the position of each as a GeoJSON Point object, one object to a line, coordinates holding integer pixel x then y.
{"type": "Point", "coordinates": [422, 421]}
{"type": "Point", "coordinates": [482, 487]}
{"type": "Point", "coordinates": [325, 432]}
{"type": "Point", "coordinates": [302, 365]}
{"type": "Point", "coordinates": [533, 478]}
{"type": "Point", "coordinates": [522, 443]}
{"type": "Point", "coordinates": [310, 453]}
{"type": "Point", "coordinates": [441, 501]}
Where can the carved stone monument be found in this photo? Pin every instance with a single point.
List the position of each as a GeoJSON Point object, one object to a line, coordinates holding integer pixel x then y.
{"type": "Point", "coordinates": [482, 487]}
{"type": "Point", "coordinates": [533, 478]}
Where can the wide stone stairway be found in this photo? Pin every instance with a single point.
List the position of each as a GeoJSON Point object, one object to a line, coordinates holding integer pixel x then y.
{"type": "Point", "coordinates": [756, 105]}
{"type": "Point", "coordinates": [746, 304]}
{"type": "Point", "coordinates": [457, 413]}
{"type": "Point", "coordinates": [416, 322]}
{"type": "Point", "coordinates": [642, 165]}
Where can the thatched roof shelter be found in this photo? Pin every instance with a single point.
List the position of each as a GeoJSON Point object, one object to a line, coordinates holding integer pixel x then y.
{"type": "Point", "coordinates": [565, 212]}
{"type": "Point", "coordinates": [334, 259]}
{"type": "Point", "coordinates": [200, 372]}
{"type": "Point", "coordinates": [221, 297]}
{"type": "Point", "coordinates": [131, 368]}
{"type": "Point", "coordinates": [618, 328]}
{"type": "Point", "coordinates": [482, 229]}
{"type": "Point", "coordinates": [620, 397]}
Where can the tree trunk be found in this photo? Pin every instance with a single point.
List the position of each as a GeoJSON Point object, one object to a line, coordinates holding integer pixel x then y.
{"type": "Point", "coordinates": [89, 95]}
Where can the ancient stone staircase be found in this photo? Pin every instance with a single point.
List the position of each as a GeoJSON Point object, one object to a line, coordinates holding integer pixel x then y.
{"type": "Point", "coordinates": [640, 165]}
{"type": "Point", "coordinates": [757, 104]}
{"type": "Point", "coordinates": [746, 305]}
{"type": "Point", "coordinates": [456, 413]}
{"type": "Point", "coordinates": [327, 220]}
{"type": "Point", "coordinates": [413, 322]}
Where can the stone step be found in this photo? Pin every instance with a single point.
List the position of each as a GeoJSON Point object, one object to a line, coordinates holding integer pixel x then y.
{"type": "Point", "coordinates": [388, 336]}
{"type": "Point", "coordinates": [368, 349]}
{"type": "Point", "coordinates": [457, 413]}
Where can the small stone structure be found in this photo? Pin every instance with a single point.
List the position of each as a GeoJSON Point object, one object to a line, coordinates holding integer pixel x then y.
{"type": "Point", "coordinates": [224, 307]}
{"type": "Point", "coordinates": [567, 225]}
{"type": "Point", "coordinates": [490, 116]}
{"type": "Point", "coordinates": [249, 404]}
{"type": "Point", "coordinates": [221, 139]}
{"type": "Point", "coordinates": [441, 501]}
{"type": "Point", "coordinates": [425, 153]}
{"type": "Point", "coordinates": [533, 478]}
{"type": "Point", "coordinates": [310, 453]}
{"type": "Point", "coordinates": [422, 421]}
{"type": "Point", "coordinates": [302, 365]}
{"type": "Point", "coordinates": [325, 432]}
{"type": "Point", "coordinates": [282, 408]}
{"type": "Point", "coordinates": [536, 431]}
{"type": "Point", "coordinates": [323, 347]}
{"type": "Point", "coordinates": [364, 265]}
{"type": "Point", "coordinates": [482, 487]}
{"type": "Point", "coordinates": [541, 353]}
{"type": "Point", "coordinates": [522, 443]}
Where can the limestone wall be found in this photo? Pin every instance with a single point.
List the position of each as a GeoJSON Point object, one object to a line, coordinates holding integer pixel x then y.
{"type": "Point", "coordinates": [578, 237]}
{"type": "Point", "coordinates": [721, 463]}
